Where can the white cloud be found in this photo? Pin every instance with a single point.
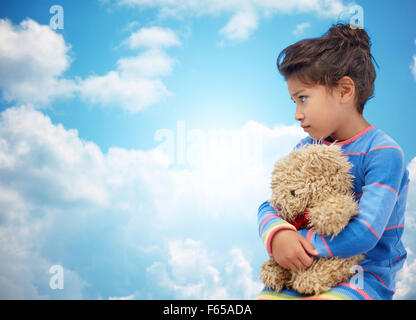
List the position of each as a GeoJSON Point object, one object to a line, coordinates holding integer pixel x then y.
{"type": "Point", "coordinates": [149, 64]}
{"type": "Point", "coordinates": [33, 59]}
{"type": "Point", "coordinates": [193, 272]}
{"type": "Point", "coordinates": [53, 184]}
{"type": "Point", "coordinates": [37, 153]}
{"type": "Point", "coordinates": [411, 199]}
{"type": "Point", "coordinates": [406, 282]}
{"type": "Point", "coordinates": [240, 26]}
{"type": "Point", "coordinates": [245, 13]}
{"type": "Point", "coordinates": [413, 67]}
{"type": "Point", "coordinates": [62, 200]}
{"type": "Point", "coordinates": [136, 83]}
{"type": "Point", "coordinates": [406, 278]}
{"type": "Point", "coordinates": [129, 297]}
{"type": "Point", "coordinates": [200, 7]}
{"type": "Point", "coordinates": [226, 165]}
{"type": "Point", "coordinates": [239, 275]}
{"type": "Point", "coordinates": [300, 28]}
{"type": "Point", "coordinates": [24, 272]}
{"type": "Point", "coordinates": [131, 94]}
{"type": "Point", "coordinates": [153, 37]}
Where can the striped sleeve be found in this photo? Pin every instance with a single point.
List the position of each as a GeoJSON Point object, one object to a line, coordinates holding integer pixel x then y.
{"type": "Point", "coordinates": [269, 223]}
{"type": "Point", "coordinates": [383, 173]}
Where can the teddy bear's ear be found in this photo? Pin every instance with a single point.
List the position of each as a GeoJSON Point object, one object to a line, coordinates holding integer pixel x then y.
{"type": "Point", "coordinates": [327, 166]}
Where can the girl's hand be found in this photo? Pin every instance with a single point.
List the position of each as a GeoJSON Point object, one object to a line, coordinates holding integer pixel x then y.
{"type": "Point", "coordinates": [292, 251]}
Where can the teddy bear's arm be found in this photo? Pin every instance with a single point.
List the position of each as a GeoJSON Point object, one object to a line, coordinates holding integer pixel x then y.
{"type": "Point", "coordinates": [324, 274]}
{"type": "Point", "coordinates": [330, 217]}
{"type": "Point", "coordinates": [273, 275]}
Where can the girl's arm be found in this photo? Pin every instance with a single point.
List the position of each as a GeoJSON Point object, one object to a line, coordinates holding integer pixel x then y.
{"type": "Point", "coordinates": [383, 170]}
{"type": "Point", "coordinates": [289, 249]}
{"type": "Point", "coordinates": [269, 223]}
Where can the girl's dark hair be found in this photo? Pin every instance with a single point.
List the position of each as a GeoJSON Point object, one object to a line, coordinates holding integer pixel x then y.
{"type": "Point", "coordinates": [341, 51]}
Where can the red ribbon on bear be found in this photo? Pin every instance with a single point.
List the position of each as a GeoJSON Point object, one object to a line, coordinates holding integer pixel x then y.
{"type": "Point", "coordinates": [300, 220]}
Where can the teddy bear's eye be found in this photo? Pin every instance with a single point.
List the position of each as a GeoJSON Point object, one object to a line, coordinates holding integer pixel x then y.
{"type": "Point", "coordinates": [292, 192]}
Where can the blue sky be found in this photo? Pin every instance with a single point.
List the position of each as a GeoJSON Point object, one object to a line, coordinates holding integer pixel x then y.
{"type": "Point", "coordinates": [127, 138]}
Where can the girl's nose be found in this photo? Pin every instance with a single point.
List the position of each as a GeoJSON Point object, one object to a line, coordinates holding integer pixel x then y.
{"type": "Point", "coordinates": [299, 116]}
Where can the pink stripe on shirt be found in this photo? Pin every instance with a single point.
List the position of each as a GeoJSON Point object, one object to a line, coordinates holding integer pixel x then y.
{"type": "Point", "coordinates": [341, 143]}
{"type": "Point", "coordinates": [394, 227]}
{"type": "Point", "coordinates": [326, 246]}
{"type": "Point", "coordinates": [356, 288]}
{"type": "Point", "coordinates": [384, 147]}
{"type": "Point", "coordinates": [370, 227]}
{"type": "Point", "coordinates": [264, 222]}
{"type": "Point", "coordinates": [385, 186]}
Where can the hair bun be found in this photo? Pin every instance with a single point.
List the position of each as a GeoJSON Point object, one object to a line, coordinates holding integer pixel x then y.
{"type": "Point", "coordinates": [355, 37]}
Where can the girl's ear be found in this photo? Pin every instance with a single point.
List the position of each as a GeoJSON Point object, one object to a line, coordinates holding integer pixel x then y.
{"type": "Point", "coordinates": [346, 89]}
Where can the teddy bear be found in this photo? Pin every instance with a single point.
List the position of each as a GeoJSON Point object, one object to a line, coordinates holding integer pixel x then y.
{"type": "Point", "coordinates": [312, 188]}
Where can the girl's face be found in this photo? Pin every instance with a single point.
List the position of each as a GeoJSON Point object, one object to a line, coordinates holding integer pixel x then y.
{"type": "Point", "coordinates": [318, 111]}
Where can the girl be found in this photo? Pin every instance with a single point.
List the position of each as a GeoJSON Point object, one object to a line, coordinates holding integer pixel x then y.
{"type": "Point", "coordinates": [330, 79]}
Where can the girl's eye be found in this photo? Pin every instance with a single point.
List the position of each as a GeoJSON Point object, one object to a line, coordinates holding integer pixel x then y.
{"type": "Point", "coordinates": [301, 98]}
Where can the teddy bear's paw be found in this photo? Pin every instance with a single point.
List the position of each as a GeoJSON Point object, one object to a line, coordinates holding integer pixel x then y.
{"type": "Point", "coordinates": [303, 283]}
{"type": "Point", "coordinates": [273, 275]}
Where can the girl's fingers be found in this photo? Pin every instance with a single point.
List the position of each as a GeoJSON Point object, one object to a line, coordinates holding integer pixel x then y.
{"type": "Point", "coordinates": [305, 260]}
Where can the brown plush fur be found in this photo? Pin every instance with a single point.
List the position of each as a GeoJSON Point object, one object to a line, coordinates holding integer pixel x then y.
{"type": "Point", "coordinates": [314, 177]}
